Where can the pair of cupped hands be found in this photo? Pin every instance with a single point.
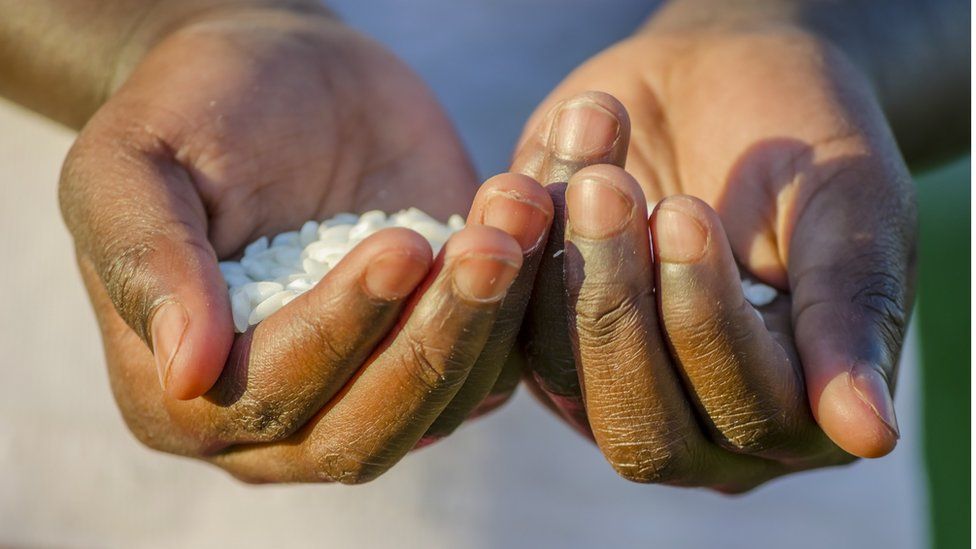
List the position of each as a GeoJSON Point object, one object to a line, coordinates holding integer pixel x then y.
{"type": "Point", "coordinates": [631, 325]}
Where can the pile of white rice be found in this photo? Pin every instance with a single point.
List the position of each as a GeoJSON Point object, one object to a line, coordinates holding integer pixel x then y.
{"type": "Point", "coordinates": [274, 272]}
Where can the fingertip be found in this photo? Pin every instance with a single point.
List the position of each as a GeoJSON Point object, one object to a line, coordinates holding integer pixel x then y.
{"type": "Point", "coordinates": [856, 416]}
{"type": "Point", "coordinates": [484, 262]}
{"type": "Point", "coordinates": [518, 184]}
{"type": "Point", "coordinates": [587, 128]}
{"type": "Point", "coordinates": [516, 204]}
{"type": "Point", "coordinates": [684, 229]}
{"type": "Point", "coordinates": [484, 240]}
{"type": "Point", "coordinates": [603, 201]}
{"type": "Point", "coordinates": [606, 101]}
{"type": "Point", "coordinates": [541, 121]}
{"type": "Point", "coordinates": [599, 99]}
{"type": "Point", "coordinates": [191, 345]}
{"type": "Point", "coordinates": [691, 205]}
{"type": "Point", "coordinates": [387, 265]}
{"type": "Point", "coordinates": [397, 238]}
{"type": "Point", "coordinates": [620, 178]}
{"type": "Point", "coordinates": [394, 273]}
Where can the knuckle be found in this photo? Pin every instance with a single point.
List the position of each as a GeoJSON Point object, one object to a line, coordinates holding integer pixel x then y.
{"type": "Point", "coordinates": [747, 413]}
{"type": "Point", "coordinates": [882, 295]}
{"type": "Point", "coordinates": [600, 320]}
{"type": "Point", "coordinates": [127, 285]}
{"type": "Point", "coordinates": [262, 420]}
{"type": "Point", "coordinates": [867, 288]}
{"type": "Point", "coordinates": [329, 344]}
{"type": "Point", "coordinates": [433, 368]}
{"type": "Point", "coordinates": [701, 324]}
{"type": "Point", "coordinates": [756, 421]}
{"type": "Point", "coordinates": [347, 466]}
{"type": "Point", "coordinates": [647, 450]}
{"type": "Point", "coordinates": [753, 433]}
{"type": "Point", "coordinates": [648, 464]}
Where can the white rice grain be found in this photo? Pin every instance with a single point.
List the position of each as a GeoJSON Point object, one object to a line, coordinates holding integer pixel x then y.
{"type": "Point", "coordinates": [274, 272]}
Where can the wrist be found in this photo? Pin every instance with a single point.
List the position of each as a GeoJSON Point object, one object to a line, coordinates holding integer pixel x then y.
{"type": "Point", "coordinates": [838, 26]}
{"type": "Point", "coordinates": [162, 19]}
{"type": "Point", "coordinates": [914, 56]}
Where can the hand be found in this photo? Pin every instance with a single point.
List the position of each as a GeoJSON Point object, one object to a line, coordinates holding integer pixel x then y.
{"type": "Point", "coordinates": [801, 186]}
{"type": "Point", "coordinates": [248, 123]}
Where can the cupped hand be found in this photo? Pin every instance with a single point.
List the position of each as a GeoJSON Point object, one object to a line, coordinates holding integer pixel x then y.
{"type": "Point", "coordinates": [799, 185]}
{"type": "Point", "coordinates": [247, 123]}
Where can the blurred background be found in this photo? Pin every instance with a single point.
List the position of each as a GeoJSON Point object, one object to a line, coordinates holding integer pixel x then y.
{"type": "Point", "coordinates": [71, 475]}
{"type": "Point", "coordinates": [943, 318]}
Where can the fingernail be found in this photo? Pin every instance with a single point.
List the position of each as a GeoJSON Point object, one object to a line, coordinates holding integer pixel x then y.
{"type": "Point", "coordinates": [521, 218]}
{"type": "Point", "coordinates": [596, 208]}
{"type": "Point", "coordinates": [394, 275]}
{"type": "Point", "coordinates": [871, 387]}
{"type": "Point", "coordinates": [484, 278]}
{"type": "Point", "coordinates": [584, 128]}
{"type": "Point", "coordinates": [681, 238]}
{"type": "Point", "coordinates": [168, 328]}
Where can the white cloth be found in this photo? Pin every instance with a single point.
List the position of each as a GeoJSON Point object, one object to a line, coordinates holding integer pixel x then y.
{"type": "Point", "coordinates": [72, 476]}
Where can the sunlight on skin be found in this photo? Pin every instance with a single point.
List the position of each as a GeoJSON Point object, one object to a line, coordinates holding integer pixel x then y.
{"type": "Point", "coordinates": [850, 421]}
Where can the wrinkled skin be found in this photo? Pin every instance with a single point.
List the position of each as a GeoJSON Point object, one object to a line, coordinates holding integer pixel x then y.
{"type": "Point", "coordinates": [798, 183]}
{"type": "Point", "coordinates": [249, 123]}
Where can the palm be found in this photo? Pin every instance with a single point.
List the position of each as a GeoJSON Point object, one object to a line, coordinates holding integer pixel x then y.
{"type": "Point", "coordinates": [250, 125]}
{"type": "Point", "coordinates": [247, 126]}
{"type": "Point", "coordinates": [750, 145]}
{"type": "Point", "coordinates": [783, 139]}
{"type": "Point", "coordinates": [266, 160]}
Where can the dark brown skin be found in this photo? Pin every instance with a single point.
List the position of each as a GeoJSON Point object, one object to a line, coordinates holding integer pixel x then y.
{"type": "Point", "coordinates": [220, 120]}
{"type": "Point", "coordinates": [246, 123]}
{"type": "Point", "coordinates": [799, 184]}
{"type": "Point", "coordinates": [65, 59]}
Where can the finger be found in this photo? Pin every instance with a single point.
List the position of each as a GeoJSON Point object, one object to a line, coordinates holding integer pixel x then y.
{"type": "Point", "coordinates": [500, 392]}
{"type": "Point", "coordinates": [137, 219]}
{"type": "Point", "coordinates": [634, 401]}
{"type": "Point", "coordinates": [747, 386]}
{"type": "Point", "coordinates": [850, 270]}
{"type": "Point", "coordinates": [625, 370]}
{"type": "Point", "coordinates": [518, 205]}
{"type": "Point", "coordinates": [505, 385]}
{"type": "Point", "coordinates": [413, 375]}
{"type": "Point", "coordinates": [284, 370]}
{"type": "Point", "coordinates": [590, 128]}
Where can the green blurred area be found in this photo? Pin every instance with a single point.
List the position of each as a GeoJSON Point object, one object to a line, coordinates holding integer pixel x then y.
{"type": "Point", "coordinates": [944, 324]}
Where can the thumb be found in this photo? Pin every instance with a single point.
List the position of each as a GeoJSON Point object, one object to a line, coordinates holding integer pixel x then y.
{"type": "Point", "coordinates": [139, 223]}
{"type": "Point", "coordinates": [851, 268]}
